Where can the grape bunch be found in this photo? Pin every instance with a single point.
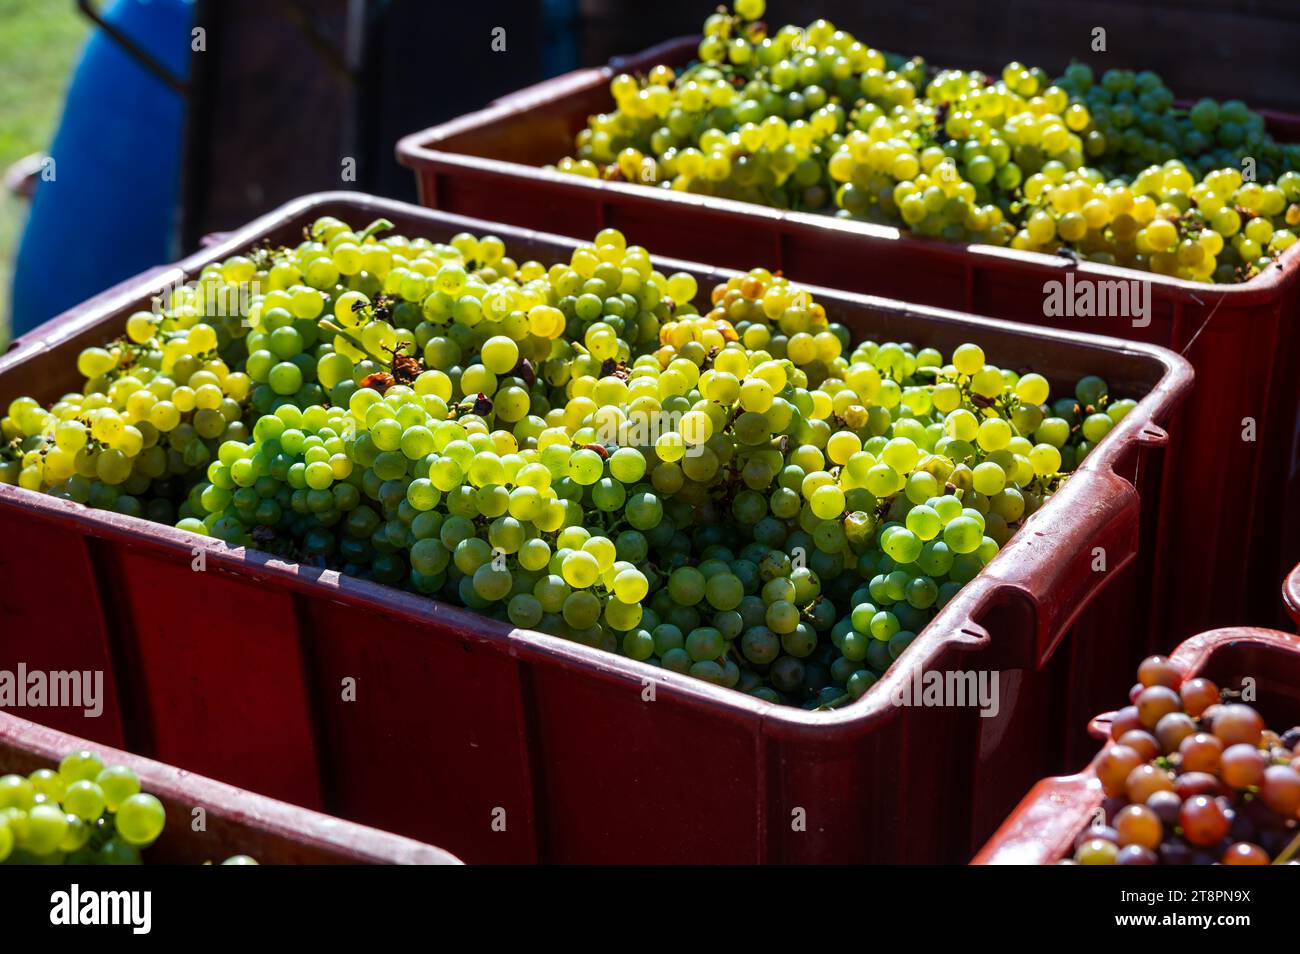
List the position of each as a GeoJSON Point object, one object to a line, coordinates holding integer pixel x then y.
{"type": "Point", "coordinates": [737, 491]}
{"type": "Point", "coordinates": [85, 813]}
{"type": "Point", "coordinates": [155, 404]}
{"type": "Point", "coordinates": [814, 119]}
{"type": "Point", "coordinates": [1191, 777]}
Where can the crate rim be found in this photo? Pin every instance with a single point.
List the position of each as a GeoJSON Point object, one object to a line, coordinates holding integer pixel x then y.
{"type": "Point", "coordinates": [418, 150]}
{"type": "Point", "coordinates": [222, 800]}
{"type": "Point", "coordinates": [1074, 797]}
{"type": "Point", "coordinates": [953, 627]}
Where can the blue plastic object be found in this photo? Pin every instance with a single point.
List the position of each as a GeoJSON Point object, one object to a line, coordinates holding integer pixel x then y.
{"type": "Point", "coordinates": [108, 210]}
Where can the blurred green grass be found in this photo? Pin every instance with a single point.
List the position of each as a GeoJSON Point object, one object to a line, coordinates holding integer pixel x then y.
{"type": "Point", "coordinates": [39, 44]}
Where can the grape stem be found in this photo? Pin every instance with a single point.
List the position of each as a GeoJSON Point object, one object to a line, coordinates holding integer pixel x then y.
{"type": "Point", "coordinates": [1288, 852]}
{"type": "Point", "coordinates": [350, 339]}
{"type": "Point", "coordinates": [378, 225]}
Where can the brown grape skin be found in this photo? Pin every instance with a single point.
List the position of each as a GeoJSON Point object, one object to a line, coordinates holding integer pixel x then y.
{"type": "Point", "coordinates": [1201, 752]}
{"type": "Point", "coordinates": [1210, 714]}
{"type": "Point", "coordinates": [1198, 695]}
{"type": "Point", "coordinates": [1136, 855]}
{"type": "Point", "coordinates": [1114, 767]}
{"type": "Point", "coordinates": [1111, 805]}
{"type": "Point", "coordinates": [1203, 821]}
{"type": "Point", "coordinates": [1103, 832]}
{"type": "Point", "coordinates": [1198, 783]}
{"type": "Point", "coordinates": [1241, 766]}
{"type": "Point", "coordinates": [1125, 720]}
{"type": "Point", "coordinates": [1166, 806]}
{"type": "Point", "coordinates": [1159, 671]}
{"type": "Point", "coordinates": [1142, 742]}
{"type": "Point", "coordinates": [1154, 703]}
{"type": "Point", "coordinates": [1138, 825]}
{"type": "Point", "coordinates": [1280, 790]}
{"type": "Point", "coordinates": [1238, 724]}
{"type": "Point", "coordinates": [1144, 780]}
{"type": "Point", "coordinates": [1244, 853]}
{"type": "Point", "coordinates": [1172, 729]}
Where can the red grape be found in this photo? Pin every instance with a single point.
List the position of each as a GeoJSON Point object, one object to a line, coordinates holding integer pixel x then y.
{"type": "Point", "coordinates": [1166, 806]}
{"type": "Point", "coordinates": [1159, 671]}
{"type": "Point", "coordinates": [1125, 720]}
{"type": "Point", "coordinates": [1136, 855]}
{"type": "Point", "coordinates": [1155, 703]}
{"type": "Point", "coordinates": [1244, 853]}
{"type": "Point", "coordinates": [1141, 742]}
{"type": "Point", "coordinates": [1197, 783]}
{"type": "Point", "coordinates": [1173, 728]}
{"type": "Point", "coordinates": [1280, 789]}
{"type": "Point", "coordinates": [1242, 766]}
{"type": "Point", "coordinates": [1144, 780]}
{"type": "Point", "coordinates": [1114, 766]}
{"type": "Point", "coordinates": [1238, 724]}
{"type": "Point", "coordinates": [1203, 820]}
{"type": "Point", "coordinates": [1104, 832]}
{"type": "Point", "coordinates": [1198, 695]}
{"type": "Point", "coordinates": [1138, 825]}
{"type": "Point", "coordinates": [1201, 752]}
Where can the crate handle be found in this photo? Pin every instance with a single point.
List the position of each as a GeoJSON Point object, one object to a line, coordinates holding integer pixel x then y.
{"type": "Point", "coordinates": [1043, 826]}
{"type": "Point", "coordinates": [1099, 726]}
{"type": "Point", "coordinates": [1152, 436]}
{"type": "Point", "coordinates": [1092, 535]}
{"type": "Point", "coordinates": [1193, 653]}
{"type": "Point", "coordinates": [1291, 594]}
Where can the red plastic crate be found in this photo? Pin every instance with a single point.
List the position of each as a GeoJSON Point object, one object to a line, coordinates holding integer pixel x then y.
{"type": "Point", "coordinates": [236, 671]}
{"type": "Point", "coordinates": [236, 822]}
{"type": "Point", "coordinates": [1291, 594]}
{"type": "Point", "coordinates": [1043, 828]}
{"type": "Point", "coordinates": [1244, 340]}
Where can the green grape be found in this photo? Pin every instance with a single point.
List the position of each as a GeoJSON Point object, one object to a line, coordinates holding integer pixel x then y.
{"type": "Point", "coordinates": [140, 820]}
{"type": "Point", "coordinates": [47, 826]}
{"type": "Point", "coordinates": [85, 799]}
{"type": "Point", "coordinates": [118, 783]}
{"type": "Point", "coordinates": [742, 491]}
{"type": "Point", "coordinates": [16, 792]}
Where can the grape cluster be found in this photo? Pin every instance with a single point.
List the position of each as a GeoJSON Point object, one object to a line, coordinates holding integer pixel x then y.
{"type": "Point", "coordinates": [1192, 778]}
{"type": "Point", "coordinates": [82, 814]}
{"type": "Point", "coordinates": [155, 404]}
{"type": "Point", "coordinates": [814, 119]}
{"type": "Point", "coordinates": [738, 491]}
